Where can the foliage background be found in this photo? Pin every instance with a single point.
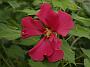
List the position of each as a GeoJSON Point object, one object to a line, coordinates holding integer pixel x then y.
{"type": "Point", "coordinates": [13, 49]}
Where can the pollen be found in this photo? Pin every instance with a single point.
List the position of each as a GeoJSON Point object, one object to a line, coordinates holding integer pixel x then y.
{"type": "Point", "coordinates": [48, 32]}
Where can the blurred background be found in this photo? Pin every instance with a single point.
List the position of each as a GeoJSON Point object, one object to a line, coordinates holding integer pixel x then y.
{"type": "Point", "coordinates": [13, 49]}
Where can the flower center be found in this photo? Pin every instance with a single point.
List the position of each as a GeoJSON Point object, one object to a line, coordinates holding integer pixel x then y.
{"type": "Point", "coordinates": [47, 32]}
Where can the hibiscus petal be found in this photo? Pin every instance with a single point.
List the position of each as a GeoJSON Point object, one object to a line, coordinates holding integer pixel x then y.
{"type": "Point", "coordinates": [66, 23]}
{"type": "Point", "coordinates": [44, 9]}
{"type": "Point", "coordinates": [57, 53]}
{"type": "Point", "coordinates": [56, 43]}
{"type": "Point", "coordinates": [56, 56]}
{"type": "Point", "coordinates": [31, 27]}
{"type": "Point", "coordinates": [40, 50]}
{"type": "Point", "coordinates": [29, 32]}
{"type": "Point", "coordinates": [48, 16]}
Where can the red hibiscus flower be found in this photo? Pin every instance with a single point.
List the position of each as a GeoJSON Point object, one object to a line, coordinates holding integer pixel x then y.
{"type": "Point", "coordinates": [49, 24]}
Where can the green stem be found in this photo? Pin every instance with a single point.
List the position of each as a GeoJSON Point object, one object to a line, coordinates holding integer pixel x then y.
{"type": "Point", "coordinates": [66, 64]}
{"type": "Point", "coordinates": [7, 55]}
{"type": "Point", "coordinates": [69, 37]}
{"type": "Point", "coordinates": [70, 64]}
{"type": "Point", "coordinates": [79, 56]}
{"type": "Point", "coordinates": [6, 62]}
{"type": "Point", "coordinates": [75, 41]}
{"type": "Point", "coordinates": [80, 63]}
{"type": "Point", "coordinates": [11, 62]}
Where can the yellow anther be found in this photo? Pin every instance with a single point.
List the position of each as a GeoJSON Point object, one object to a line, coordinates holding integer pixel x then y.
{"type": "Point", "coordinates": [48, 32]}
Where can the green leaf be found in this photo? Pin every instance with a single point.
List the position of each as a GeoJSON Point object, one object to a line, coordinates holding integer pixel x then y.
{"type": "Point", "coordinates": [65, 4]}
{"type": "Point", "coordinates": [15, 52]}
{"type": "Point", "coordinates": [35, 64]}
{"type": "Point", "coordinates": [1, 2]}
{"type": "Point", "coordinates": [38, 2]}
{"type": "Point", "coordinates": [8, 33]}
{"type": "Point", "coordinates": [84, 21]}
{"type": "Point", "coordinates": [86, 63]}
{"type": "Point", "coordinates": [80, 31]}
{"type": "Point", "coordinates": [54, 64]}
{"type": "Point", "coordinates": [4, 15]}
{"type": "Point", "coordinates": [80, 1]}
{"type": "Point", "coordinates": [69, 55]}
{"type": "Point", "coordinates": [43, 64]}
{"type": "Point", "coordinates": [29, 11]}
{"type": "Point", "coordinates": [86, 7]}
{"type": "Point", "coordinates": [86, 52]}
{"type": "Point", "coordinates": [14, 4]}
{"type": "Point", "coordinates": [87, 60]}
{"type": "Point", "coordinates": [30, 41]}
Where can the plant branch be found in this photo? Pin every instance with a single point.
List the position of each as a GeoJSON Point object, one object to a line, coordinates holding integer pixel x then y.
{"type": "Point", "coordinates": [75, 41]}
{"type": "Point", "coordinates": [6, 62]}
